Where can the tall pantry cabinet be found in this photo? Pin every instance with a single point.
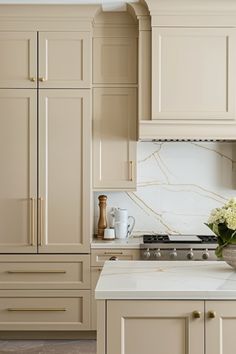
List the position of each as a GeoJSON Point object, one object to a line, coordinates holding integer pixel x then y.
{"type": "Point", "coordinates": [45, 127]}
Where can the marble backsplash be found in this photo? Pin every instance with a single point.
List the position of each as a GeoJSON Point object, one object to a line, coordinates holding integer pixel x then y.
{"type": "Point", "coordinates": [179, 183]}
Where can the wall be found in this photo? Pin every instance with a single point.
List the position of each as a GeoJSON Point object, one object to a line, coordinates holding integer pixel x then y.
{"type": "Point", "coordinates": [178, 185]}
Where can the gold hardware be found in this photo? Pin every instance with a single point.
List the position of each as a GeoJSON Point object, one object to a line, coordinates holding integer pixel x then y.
{"type": "Point", "coordinates": [113, 258]}
{"type": "Point", "coordinates": [211, 314]}
{"type": "Point", "coordinates": [32, 226]}
{"type": "Point", "coordinates": [33, 79]}
{"type": "Point", "coordinates": [131, 171]}
{"type": "Point", "coordinates": [40, 201]}
{"type": "Point", "coordinates": [196, 314]}
{"type": "Point", "coordinates": [42, 79]}
{"type": "Point", "coordinates": [99, 269]}
{"type": "Point", "coordinates": [15, 309]}
{"type": "Point", "coordinates": [36, 271]}
{"type": "Point", "coordinates": [111, 253]}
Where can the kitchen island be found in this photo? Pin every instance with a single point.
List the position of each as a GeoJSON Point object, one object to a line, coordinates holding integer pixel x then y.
{"type": "Point", "coordinates": [166, 308]}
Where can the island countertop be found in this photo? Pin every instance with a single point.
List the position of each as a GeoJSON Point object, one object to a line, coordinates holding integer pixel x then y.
{"type": "Point", "coordinates": [164, 280]}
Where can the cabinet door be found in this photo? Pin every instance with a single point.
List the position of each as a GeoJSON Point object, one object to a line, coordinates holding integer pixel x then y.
{"type": "Point", "coordinates": [95, 274]}
{"type": "Point", "coordinates": [64, 59]}
{"type": "Point", "coordinates": [18, 174]}
{"type": "Point", "coordinates": [115, 60]}
{"type": "Point", "coordinates": [64, 171]}
{"type": "Point", "coordinates": [114, 138]}
{"type": "Point", "coordinates": [154, 327]}
{"type": "Point", "coordinates": [193, 74]}
{"type": "Point", "coordinates": [220, 330]}
{"type": "Point", "coordinates": [18, 60]}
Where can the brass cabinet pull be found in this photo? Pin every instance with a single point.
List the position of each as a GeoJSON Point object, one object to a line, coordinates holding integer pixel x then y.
{"type": "Point", "coordinates": [112, 253]}
{"type": "Point", "coordinates": [196, 314]}
{"type": "Point", "coordinates": [211, 314]}
{"type": "Point", "coordinates": [32, 221]}
{"type": "Point", "coordinates": [36, 271]}
{"type": "Point", "coordinates": [113, 258]}
{"type": "Point", "coordinates": [33, 79]}
{"type": "Point", "coordinates": [17, 309]}
{"type": "Point", "coordinates": [40, 208]}
{"type": "Point", "coordinates": [131, 171]}
{"type": "Point", "coordinates": [42, 79]}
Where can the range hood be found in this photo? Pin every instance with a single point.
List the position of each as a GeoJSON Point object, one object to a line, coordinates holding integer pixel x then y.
{"type": "Point", "coordinates": [187, 80]}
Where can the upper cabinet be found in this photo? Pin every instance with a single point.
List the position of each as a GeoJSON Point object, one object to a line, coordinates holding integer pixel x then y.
{"type": "Point", "coordinates": [18, 59]}
{"type": "Point", "coordinates": [115, 84]}
{"type": "Point", "coordinates": [64, 59]}
{"type": "Point", "coordinates": [194, 74]}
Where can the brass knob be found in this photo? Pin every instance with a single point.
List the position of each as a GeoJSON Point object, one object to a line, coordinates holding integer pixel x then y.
{"type": "Point", "coordinates": [196, 314]}
{"type": "Point", "coordinates": [42, 79]}
{"type": "Point", "coordinates": [113, 258]}
{"type": "Point", "coordinates": [211, 314]}
{"type": "Point", "coordinates": [33, 79]}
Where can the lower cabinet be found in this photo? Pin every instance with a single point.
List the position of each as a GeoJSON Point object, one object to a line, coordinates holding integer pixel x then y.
{"type": "Point", "coordinates": [44, 310]}
{"type": "Point", "coordinates": [167, 327]}
{"type": "Point", "coordinates": [45, 292]}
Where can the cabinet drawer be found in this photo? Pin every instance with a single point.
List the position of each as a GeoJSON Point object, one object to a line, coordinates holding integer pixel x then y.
{"type": "Point", "coordinates": [45, 310]}
{"type": "Point", "coordinates": [98, 257]}
{"type": "Point", "coordinates": [45, 272]}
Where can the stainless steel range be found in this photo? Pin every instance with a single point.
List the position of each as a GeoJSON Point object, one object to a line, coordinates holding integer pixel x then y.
{"type": "Point", "coordinates": [178, 247]}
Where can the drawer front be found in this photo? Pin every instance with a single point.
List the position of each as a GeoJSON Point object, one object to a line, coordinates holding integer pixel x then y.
{"type": "Point", "coordinates": [45, 272]}
{"type": "Point", "coordinates": [98, 257]}
{"type": "Point", "coordinates": [48, 310]}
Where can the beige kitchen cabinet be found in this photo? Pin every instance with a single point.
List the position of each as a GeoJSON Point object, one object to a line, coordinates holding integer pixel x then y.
{"type": "Point", "coordinates": [115, 60]}
{"type": "Point", "coordinates": [18, 160]}
{"type": "Point", "coordinates": [64, 170]}
{"type": "Point", "coordinates": [220, 327]}
{"type": "Point", "coordinates": [114, 138]}
{"type": "Point", "coordinates": [43, 310]}
{"type": "Point", "coordinates": [98, 258]}
{"type": "Point", "coordinates": [18, 59]}
{"type": "Point", "coordinates": [45, 272]}
{"type": "Point", "coordinates": [155, 327]}
{"type": "Point", "coordinates": [64, 59]}
{"type": "Point", "coordinates": [193, 74]}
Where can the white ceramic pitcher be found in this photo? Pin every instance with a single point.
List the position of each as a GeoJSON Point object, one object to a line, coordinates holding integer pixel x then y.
{"type": "Point", "coordinates": [123, 223]}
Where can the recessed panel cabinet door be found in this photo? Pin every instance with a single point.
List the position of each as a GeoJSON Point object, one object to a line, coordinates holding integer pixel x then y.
{"type": "Point", "coordinates": [155, 327]}
{"type": "Point", "coordinates": [18, 59]}
{"type": "Point", "coordinates": [114, 138]}
{"type": "Point", "coordinates": [64, 170]}
{"type": "Point", "coordinates": [220, 327]}
{"type": "Point", "coordinates": [64, 59]}
{"type": "Point", "coordinates": [194, 74]}
{"type": "Point", "coordinates": [18, 172]}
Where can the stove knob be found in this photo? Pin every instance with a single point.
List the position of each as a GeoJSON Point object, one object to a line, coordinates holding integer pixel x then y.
{"type": "Point", "coordinates": [205, 254]}
{"type": "Point", "coordinates": [157, 253]}
{"type": "Point", "coordinates": [146, 253]}
{"type": "Point", "coordinates": [190, 254]}
{"type": "Point", "coordinates": [173, 254]}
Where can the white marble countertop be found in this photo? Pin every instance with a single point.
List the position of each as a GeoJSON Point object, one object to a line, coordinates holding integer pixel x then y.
{"type": "Point", "coordinates": [128, 243]}
{"type": "Point", "coordinates": [192, 280]}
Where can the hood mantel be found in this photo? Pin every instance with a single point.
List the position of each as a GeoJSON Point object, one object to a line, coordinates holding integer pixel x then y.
{"type": "Point", "coordinates": [193, 70]}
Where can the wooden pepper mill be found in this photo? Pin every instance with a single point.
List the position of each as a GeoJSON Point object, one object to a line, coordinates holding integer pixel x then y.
{"type": "Point", "coordinates": [102, 222]}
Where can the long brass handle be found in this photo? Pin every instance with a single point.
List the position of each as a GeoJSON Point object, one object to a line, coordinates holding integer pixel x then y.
{"type": "Point", "coordinates": [111, 253]}
{"type": "Point", "coordinates": [36, 271]}
{"type": "Point", "coordinates": [131, 171]}
{"type": "Point", "coordinates": [196, 314]}
{"type": "Point", "coordinates": [32, 221]}
{"type": "Point", "coordinates": [40, 208]}
{"type": "Point", "coordinates": [16, 309]}
{"type": "Point", "coordinates": [211, 314]}
{"type": "Point", "coordinates": [42, 79]}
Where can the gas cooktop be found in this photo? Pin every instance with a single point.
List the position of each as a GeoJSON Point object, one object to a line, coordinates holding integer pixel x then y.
{"type": "Point", "coordinates": [189, 239]}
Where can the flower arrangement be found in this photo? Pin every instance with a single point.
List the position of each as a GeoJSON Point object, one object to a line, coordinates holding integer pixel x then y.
{"type": "Point", "coordinates": [222, 222]}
